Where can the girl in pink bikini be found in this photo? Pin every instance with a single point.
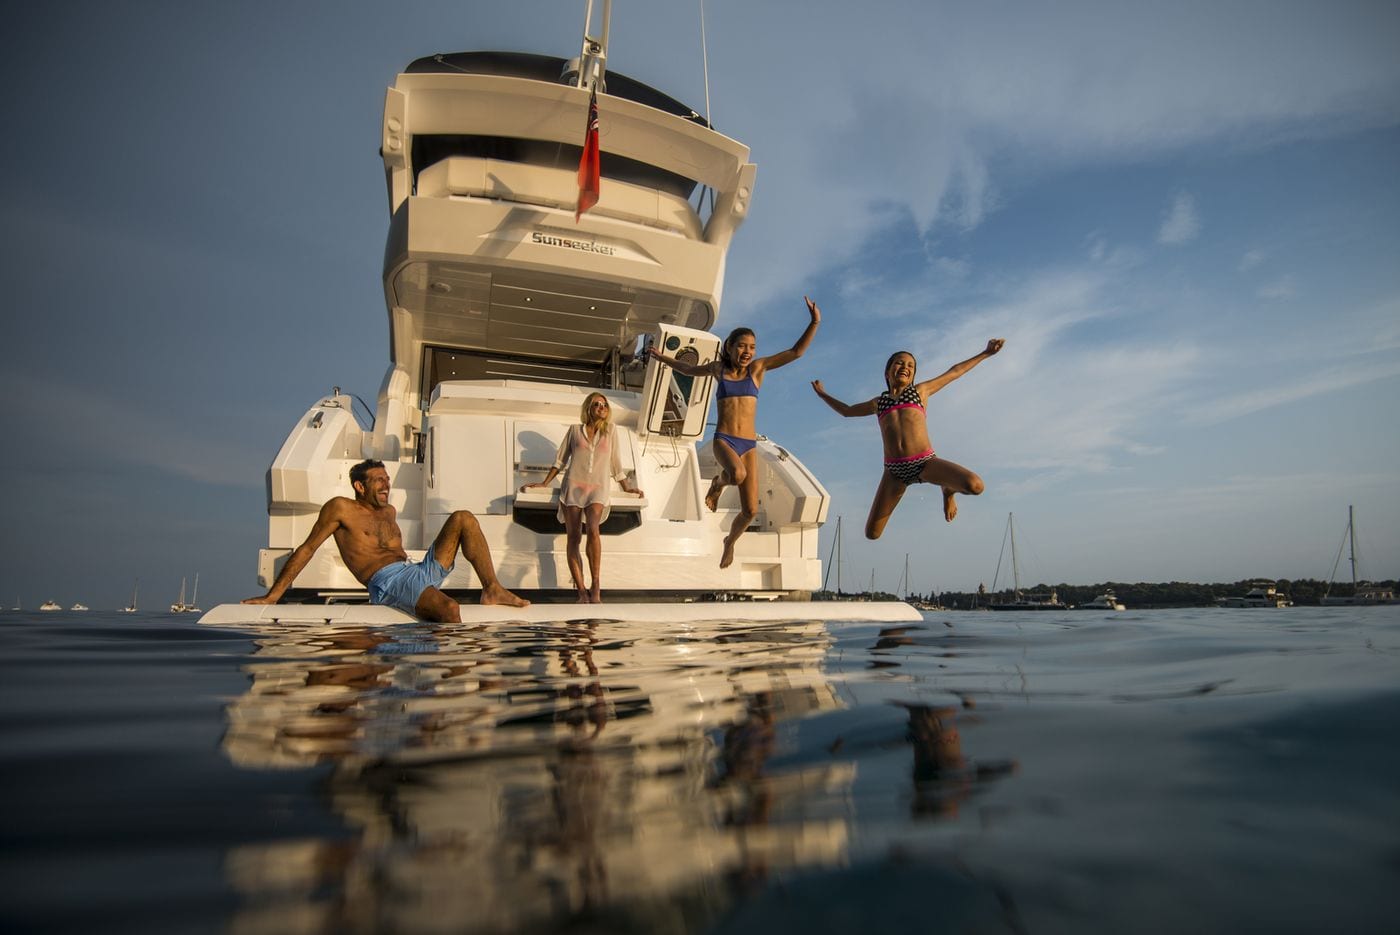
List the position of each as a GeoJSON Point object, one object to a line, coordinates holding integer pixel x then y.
{"type": "Point", "coordinates": [909, 458]}
{"type": "Point", "coordinates": [739, 374]}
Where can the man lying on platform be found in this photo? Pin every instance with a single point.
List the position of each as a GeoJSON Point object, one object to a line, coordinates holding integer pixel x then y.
{"type": "Point", "coordinates": [367, 533]}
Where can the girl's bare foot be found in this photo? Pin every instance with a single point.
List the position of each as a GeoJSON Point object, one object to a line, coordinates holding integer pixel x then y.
{"type": "Point", "coordinates": [595, 595]}
{"type": "Point", "coordinates": [727, 558]}
{"type": "Point", "coordinates": [583, 597]}
{"type": "Point", "coordinates": [496, 594]}
{"type": "Point", "coordinates": [950, 506]}
{"type": "Point", "coordinates": [712, 495]}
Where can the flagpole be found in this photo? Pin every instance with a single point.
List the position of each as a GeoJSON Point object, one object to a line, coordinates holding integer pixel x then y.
{"type": "Point", "coordinates": [592, 61]}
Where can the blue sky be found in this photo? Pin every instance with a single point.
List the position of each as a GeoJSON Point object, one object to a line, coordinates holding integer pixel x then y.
{"type": "Point", "coordinates": [1183, 218]}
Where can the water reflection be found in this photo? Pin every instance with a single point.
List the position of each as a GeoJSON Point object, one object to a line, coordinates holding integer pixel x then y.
{"type": "Point", "coordinates": [513, 777]}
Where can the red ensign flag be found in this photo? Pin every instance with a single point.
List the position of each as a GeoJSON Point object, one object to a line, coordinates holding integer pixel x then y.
{"type": "Point", "coordinates": [588, 168]}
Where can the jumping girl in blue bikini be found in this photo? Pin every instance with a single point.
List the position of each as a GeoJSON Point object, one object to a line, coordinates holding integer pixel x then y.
{"type": "Point", "coordinates": [909, 458]}
{"type": "Point", "coordinates": [740, 374]}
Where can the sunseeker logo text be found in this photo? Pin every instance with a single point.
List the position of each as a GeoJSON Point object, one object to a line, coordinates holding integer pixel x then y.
{"type": "Point", "coordinates": [588, 246]}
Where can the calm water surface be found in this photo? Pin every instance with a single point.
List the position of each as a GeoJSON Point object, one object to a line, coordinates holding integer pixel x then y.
{"type": "Point", "coordinates": [1166, 771]}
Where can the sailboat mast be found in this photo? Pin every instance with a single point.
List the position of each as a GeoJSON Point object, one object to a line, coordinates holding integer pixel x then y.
{"type": "Point", "coordinates": [1015, 569]}
{"type": "Point", "coordinates": [1351, 535]}
{"type": "Point", "coordinates": [831, 561]}
{"type": "Point", "coordinates": [838, 555]}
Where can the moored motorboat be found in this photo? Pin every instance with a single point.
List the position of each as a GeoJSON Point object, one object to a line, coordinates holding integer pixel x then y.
{"type": "Point", "coordinates": [50, 605]}
{"type": "Point", "coordinates": [1262, 594]}
{"type": "Point", "coordinates": [1105, 601]}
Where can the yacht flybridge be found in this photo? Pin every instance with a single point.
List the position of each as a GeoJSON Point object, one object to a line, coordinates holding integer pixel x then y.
{"type": "Point", "coordinates": [505, 311]}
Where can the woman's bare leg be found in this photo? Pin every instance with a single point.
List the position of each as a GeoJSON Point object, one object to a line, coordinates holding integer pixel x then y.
{"type": "Point", "coordinates": [954, 479]}
{"type": "Point", "coordinates": [887, 496]}
{"type": "Point", "coordinates": [732, 470]}
{"type": "Point", "coordinates": [573, 533]}
{"type": "Point", "coordinates": [595, 550]}
{"type": "Point", "coordinates": [748, 504]}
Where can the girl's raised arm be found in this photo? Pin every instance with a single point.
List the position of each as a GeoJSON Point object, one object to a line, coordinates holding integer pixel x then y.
{"type": "Point", "coordinates": [928, 387]}
{"type": "Point", "coordinates": [866, 408]}
{"type": "Point", "coordinates": [797, 350]}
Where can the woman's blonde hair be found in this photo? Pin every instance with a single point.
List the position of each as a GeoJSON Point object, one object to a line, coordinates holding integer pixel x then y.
{"type": "Point", "coordinates": [588, 404]}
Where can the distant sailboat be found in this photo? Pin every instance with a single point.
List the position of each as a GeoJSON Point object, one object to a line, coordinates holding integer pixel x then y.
{"type": "Point", "coordinates": [131, 608]}
{"type": "Point", "coordinates": [1362, 592]}
{"type": "Point", "coordinates": [193, 606]}
{"type": "Point", "coordinates": [1021, 601]}
{"type": "Point", "coordinates": [834, 560]}
{"type": "Point", "coordinates": [179, 606]}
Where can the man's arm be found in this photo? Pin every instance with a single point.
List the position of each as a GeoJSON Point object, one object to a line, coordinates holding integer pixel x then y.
{"type": "Point", "coordinates": [327, 523]}
{"type": "Point", "coordinates": [929, 387]}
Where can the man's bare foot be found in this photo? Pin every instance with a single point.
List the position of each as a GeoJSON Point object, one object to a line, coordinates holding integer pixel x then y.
{"type": "Point", "coordinates": [727, 558]}
{"type": "Point", "coordinates": [496, 594]}
{"type": "Point", "coordinates": [595, 596]}
{"type": "Point", "coordinates": [712, 495]}
{"type": "Point", "coordinates": [950, 506]}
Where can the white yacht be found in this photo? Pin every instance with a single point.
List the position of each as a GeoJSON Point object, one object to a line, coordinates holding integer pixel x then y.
{"type": "Point", "coordinates": [79, 606]}
{"type": "Point", "coordinates": [50, 605]}
{"type": "Point", "coordinates": [1262, 594]}
{"type": "Point", "coordinates": [505, 311]}
{"type": "Point", "coordinates": [1105, 601]}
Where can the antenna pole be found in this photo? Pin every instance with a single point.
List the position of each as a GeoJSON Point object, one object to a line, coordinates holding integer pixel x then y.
{"type": "Point", "coordinates": [705, 55]}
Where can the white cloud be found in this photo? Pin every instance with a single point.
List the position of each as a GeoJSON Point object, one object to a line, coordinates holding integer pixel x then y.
{"type": "Point", "coordinates": [1181, 223]}
{"type": "Point", "coordinates": [1251, 259]}
{"type": "Point", "coordinates": [1056, 402]}
{"type": "Point", "coordinates": [1072, 84]}
{"type": "Point", "coordinates": [1296, 388]}
{"type": "Point", "coordinates": [1282, 288]}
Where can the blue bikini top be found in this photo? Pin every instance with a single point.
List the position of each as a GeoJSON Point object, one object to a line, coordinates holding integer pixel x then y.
{"type": "Point", "coordinates": [728, 388]}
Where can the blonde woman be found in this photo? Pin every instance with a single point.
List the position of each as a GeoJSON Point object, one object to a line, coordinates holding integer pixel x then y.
{"type": "Point", "coordinates": [588, 457]}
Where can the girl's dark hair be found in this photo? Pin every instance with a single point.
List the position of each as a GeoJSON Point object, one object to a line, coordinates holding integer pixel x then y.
{"type": "Point", "coordinates": [734, 335]}
{"type": "Point", "coordinates": [891, 361]}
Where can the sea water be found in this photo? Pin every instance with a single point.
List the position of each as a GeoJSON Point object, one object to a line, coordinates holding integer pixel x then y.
{"type": "Point", "coordinates": [1162, 771]}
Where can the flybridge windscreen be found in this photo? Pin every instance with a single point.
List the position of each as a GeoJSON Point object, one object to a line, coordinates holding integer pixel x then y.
{"type": "Point", "coordinates": [430, 149]}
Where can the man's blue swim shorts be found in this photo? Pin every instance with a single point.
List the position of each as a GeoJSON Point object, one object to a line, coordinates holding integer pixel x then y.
{"type": "Point", "coordinates": [401, 584]}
